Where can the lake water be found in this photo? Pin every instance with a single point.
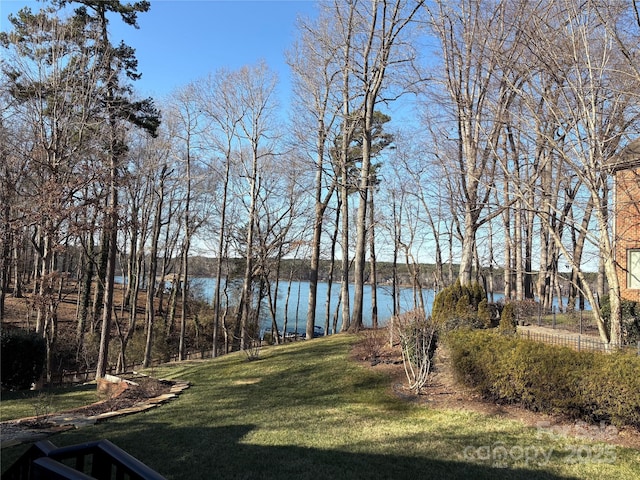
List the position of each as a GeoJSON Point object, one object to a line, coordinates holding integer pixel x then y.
{"type": "Point", "coordinates": [299, 299]}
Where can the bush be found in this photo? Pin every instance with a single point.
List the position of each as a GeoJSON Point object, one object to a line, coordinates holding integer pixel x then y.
{"type": "Point", "coordinates": [23, 358]}
{"type": "Point", "coordinates": [612, 389]}
{"type": "Point", "coordinates": [461, 306]}
{"type": "Point", "coordinates": [507, 323]}
{"type": "Point", "coordinates": [470, 358]}
{"type": "Point", "coordinates": [630, 312]}
{"type": "Point", "coordinates": [373, 343]}
{"type": "Point", "coordinates": [589, 386]}
{"type": "Point", "coordinates": [485, 314]}
{"type": "Point", "coordinates": [418, 341]}
{"type": "Point", "coordinates": [160, 347]}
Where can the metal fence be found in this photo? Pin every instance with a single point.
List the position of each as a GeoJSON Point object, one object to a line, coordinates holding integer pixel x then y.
{"type": "Point", "coordinates": [579, 321]}
{"type": "Point", "coordinates": [577, 342]}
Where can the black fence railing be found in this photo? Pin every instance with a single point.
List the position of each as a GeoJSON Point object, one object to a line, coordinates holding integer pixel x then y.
{"type": "Point", "coordinates": [578, 321]}
{"type": "Point", "coordinates": [100, 460]}
{"type": "Point", "coordinates": [577, 342]}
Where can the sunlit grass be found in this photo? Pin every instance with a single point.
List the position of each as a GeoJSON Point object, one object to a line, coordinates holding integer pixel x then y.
{"type": "Point", "coordinates": [23, 404]}
{"type": "Point", "coordinates": [307, 411]}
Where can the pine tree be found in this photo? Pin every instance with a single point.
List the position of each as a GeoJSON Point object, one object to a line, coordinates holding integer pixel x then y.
{"type": "Point", "coordinates": [119, 107]}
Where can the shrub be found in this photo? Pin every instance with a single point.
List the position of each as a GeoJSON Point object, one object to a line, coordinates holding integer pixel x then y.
{"type": "Point", "coordinates": [630, 312]}
{"type": "Point", "coordinates": [527, 309]}
{"type": "Point", "coordinates": [457, 306]}
{"type": "Point", "coordinates": [418, 341]}
{"type": "Point", "coordinates": [507, 323]}
{"type": "Point", "coordinates": [612, 389]}
{"type": "Point", "coordinates": [485, 315]}
{"type": "Point", "coordinates": [23, 358]}
{"type": "Point", "coordinates": [373, 343]}
{"type": "Point", "coordinates": [581, 385]}
{"type": "Point", "coordinates": [470, 358]}
{"type": "Point", "coordinates": [160, 347]}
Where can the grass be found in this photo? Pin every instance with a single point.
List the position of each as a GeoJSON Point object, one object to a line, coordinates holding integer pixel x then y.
{"type": "Point", "coordinates": [37, 403]}
{"type": "Point", "coordinates": [306, 411]}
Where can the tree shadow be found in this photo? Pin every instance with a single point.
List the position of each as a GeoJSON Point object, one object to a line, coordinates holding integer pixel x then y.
{"type": "Point", "coordinates": [223, 453]}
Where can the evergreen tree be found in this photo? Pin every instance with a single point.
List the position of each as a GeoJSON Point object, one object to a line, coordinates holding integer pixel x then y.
{"type": "Point", "coordinates": [119, 107]}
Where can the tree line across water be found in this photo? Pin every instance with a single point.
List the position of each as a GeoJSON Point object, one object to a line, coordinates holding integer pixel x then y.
{"type": "Point", "coordinates": [503, 175]}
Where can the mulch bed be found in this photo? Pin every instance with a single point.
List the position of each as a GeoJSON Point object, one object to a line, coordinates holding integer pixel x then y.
{"type": "Point", "coordinates": [146, 387]}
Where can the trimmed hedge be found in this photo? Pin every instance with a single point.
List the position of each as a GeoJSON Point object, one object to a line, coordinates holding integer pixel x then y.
{"type": "Point", "coordinates": [461, 306]}
{"type": "Point", "coordinates": [589, 386]}
{"type": "Point", "coordinates": [23, 355]}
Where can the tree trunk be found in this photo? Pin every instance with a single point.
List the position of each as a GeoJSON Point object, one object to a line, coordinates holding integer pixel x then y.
{"type": "Point", "coordinates": [221, 255]}
{"type": "Point", "coordinates": [85, 294]}
{"type": "Point", "coordinates": [344, 275]}
{"type": "Point", "coordinates": [188, 231]}
{"type": "Point", "coordinates": [465, 274]}
{"type": "Point", "coordinates": [184, 295]}
{"type": "Point", "coordinates": [373, 279]}
{"type": "Point", "coordinates": [518, 247]}
{"type": "Point", "coordinates": [334, 242]}
{"type": "Point", "coordinates": [320, 208]}
{"type": "Point", "coordinates": [109, 280]}
{"type": "Point", "coordinates": [153, 271]}
{"type": "Point", "coordinates": [361, 230]}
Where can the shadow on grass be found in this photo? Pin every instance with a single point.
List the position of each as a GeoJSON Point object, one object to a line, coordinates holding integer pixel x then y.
{"type": "Point", "coordinates": [222, 453]}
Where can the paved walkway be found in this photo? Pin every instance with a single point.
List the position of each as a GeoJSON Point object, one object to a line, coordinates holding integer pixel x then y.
{"type": "Point", "coordinates": [15, 432]}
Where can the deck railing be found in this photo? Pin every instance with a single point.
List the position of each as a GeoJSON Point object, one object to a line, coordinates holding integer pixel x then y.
{"type": "Point", "coordinates": [101, 460]}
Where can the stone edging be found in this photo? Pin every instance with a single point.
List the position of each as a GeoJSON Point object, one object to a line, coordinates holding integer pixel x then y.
{"type": "Point", "coordinates": [13, 432]}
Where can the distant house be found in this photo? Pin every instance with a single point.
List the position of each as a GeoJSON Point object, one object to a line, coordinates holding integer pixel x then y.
{"type": "Point", "coordinates": [626, 168]}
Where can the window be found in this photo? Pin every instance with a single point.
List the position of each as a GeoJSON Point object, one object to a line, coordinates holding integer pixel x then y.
{"type": "Point", "coordinates": [633, 265]}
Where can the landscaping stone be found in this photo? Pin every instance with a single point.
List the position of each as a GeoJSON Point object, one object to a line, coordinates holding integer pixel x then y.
{"type": "Point", "coordinates": [27, 430]}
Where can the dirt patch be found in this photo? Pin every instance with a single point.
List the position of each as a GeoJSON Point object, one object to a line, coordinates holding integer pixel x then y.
{"type": "Point", "coordinates": [444, 392]}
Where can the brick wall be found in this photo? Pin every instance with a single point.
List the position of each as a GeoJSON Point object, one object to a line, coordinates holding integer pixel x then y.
{"type": "Point", "coordinates": [627, 211]}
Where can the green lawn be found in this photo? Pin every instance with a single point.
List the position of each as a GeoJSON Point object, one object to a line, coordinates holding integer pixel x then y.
{"type": "Point", "coordinates": [40, 403]}
{"type": "Point", "coordinates": [306, 411]}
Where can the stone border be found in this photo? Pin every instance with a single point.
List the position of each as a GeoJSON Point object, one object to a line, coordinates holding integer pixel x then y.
{"type": "Point", "coordinates": [13, 432]}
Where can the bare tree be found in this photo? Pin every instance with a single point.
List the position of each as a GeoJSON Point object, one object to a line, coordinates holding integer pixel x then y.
{"type": "Point", "coordinates": [256, 86]}
{"type": "Point", "coordinates": [594, 109]}
{"type": "Point", "coordinates": [186, 130]}
{"type": "Point", "coordinates": [152, 278]}
{"type": "Point", "coordinates": [139, 186]}
{"type": "Point", "coordinates": [313, 62]}
{"type": "Point", "coordinates": [475, 37]}
{"type": "Point", "coordinates": [378, 51]}
{"type": "Point", "coordinates": [218, 101]}
{"type": "Point", "coordinates": [562, 118]}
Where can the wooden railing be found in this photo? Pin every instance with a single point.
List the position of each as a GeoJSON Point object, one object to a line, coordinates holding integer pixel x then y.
{"type": "Point", "coordinates": [100, 460]}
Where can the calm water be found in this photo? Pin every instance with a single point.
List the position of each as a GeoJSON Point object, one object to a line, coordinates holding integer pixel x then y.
{"type": "Point", "coordinates": [299, 298]}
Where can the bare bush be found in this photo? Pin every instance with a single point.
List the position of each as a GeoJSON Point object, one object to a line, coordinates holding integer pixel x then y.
{"type": "Point", "coordinates": [418, 340]}
{"type": "Point", "coordinates": [372, 343]}
{"type": "Point", "coordinates": [252, 349]}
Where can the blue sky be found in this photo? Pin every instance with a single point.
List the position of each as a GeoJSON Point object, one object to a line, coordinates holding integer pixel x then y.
{"type": "Point", "coordinates": [182, 40]}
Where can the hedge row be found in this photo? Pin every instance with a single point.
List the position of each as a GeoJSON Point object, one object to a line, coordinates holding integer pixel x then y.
{"type": "Point", "coordinates": [589, 386]}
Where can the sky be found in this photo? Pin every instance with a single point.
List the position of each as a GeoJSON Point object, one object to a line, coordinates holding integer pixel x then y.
{"type": "Point", "coordinates": [183, 40]}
